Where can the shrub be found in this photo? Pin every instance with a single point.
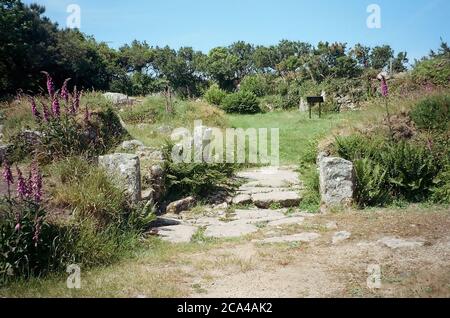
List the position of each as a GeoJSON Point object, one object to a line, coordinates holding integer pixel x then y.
{"type": "Point", "coordinates": [357, 146]}
{"type": "Point", "coordinates": [435, 71]}
{"type": "Point", "coordinates": [196, 179]}
{"type": "Point", "coordinates": [371, 186]}
{"type": "Point", "coordinates": [256, 84]}
{"type": "Point", "coordinates": [241, 102]}
{"type": "Point", "coordinates": [411, 170]}
{"type": "Point", "coordinates": [271, 102]}
{"type": "Point", "coordinates": [215, 95]}
{"type": "Point", "coordinates": [441, 189]}
{"type": "Point", "coordinates": [89, 192]}
{"type": "Point", "coordinates": [432, 113]}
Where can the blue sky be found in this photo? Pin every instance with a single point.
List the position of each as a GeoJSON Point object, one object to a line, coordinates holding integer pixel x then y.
{"type": "Point", "coordinates": [412, 25]}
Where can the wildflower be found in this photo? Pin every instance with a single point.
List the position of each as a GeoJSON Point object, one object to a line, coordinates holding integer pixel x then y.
{"type": "Point", "coordinates": [22, 187]}
{"type": "Point", "coordinates": [17, 227]}
{"type": "Point", "coordinates": [50, 85]}
{"type": "Point", "coordinates": [36, 182]}
{"type": "Point", "coordinates": [76, 100]}
{"type": "Point", "coordinates": [56, 109]}
{"type": "Point", "coordinates": [64, 91]}
{"type": "Point", "coordinates": [34, 109]}
{"type": "Point", "coordinates": [45, 112]}
{"type": "Point", "coordinates": [37, 230]}
{"type": "Point", "coordinates": [384, 87]}
{"type": "Point", "coordinates": [87, 115]}
{"type": "Point", "coordinates": [7, 175]}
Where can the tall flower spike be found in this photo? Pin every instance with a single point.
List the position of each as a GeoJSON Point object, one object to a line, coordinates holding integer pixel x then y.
{"type": "Point", "coordinates": [50, 85]}
{"type": "Point", "coordinates": [87, 115]}
{"type": "Point", "coordinates": [56, 108]}
{"type": "Point", "coordinates": [36, 182]}
{"type": "Point", "coordinates": [64, 91]}
{"type": "Point", "coordinates": [45, 112]}
{"type": "Point", "coordinates": [76, 101]}
{"type": "Point", "coordinates": [22, 187]}
{"type": "Point", "coordinates": [34, 110]}
{"type": "Point", "coordinates": [7, 174]}
{"type": "Point", "coordinates": [384, 87]}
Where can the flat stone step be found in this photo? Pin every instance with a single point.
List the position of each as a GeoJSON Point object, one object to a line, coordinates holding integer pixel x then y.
{"type": "Point", "coordinates": [286, 199]}
{"type": "Point", "coordinates": [177, 233]}
{"type": "Point", "coordinates": [230, 230]}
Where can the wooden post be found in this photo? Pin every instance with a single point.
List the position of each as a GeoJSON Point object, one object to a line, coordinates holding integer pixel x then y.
{"type": "Point", "coordinates": [320, 110]}
{"type": "Point", "coordinates": [310, 110]}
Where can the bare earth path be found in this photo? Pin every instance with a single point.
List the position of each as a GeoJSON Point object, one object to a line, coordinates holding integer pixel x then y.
{"type": "Point", "coordinates": [283, 252]}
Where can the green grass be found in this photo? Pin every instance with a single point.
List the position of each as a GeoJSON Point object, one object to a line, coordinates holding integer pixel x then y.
{"type": "Point", "coordinates": [296, 129]}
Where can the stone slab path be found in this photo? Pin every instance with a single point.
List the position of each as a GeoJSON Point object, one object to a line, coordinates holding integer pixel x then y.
{"type": "Point", "coordinates": [262, 189]}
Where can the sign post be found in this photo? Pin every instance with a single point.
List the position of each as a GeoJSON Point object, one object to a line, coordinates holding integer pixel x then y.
{"type": "Point", "coordinates": [313, 100]}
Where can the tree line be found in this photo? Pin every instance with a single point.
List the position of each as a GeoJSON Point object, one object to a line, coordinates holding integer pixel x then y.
{"type": "Point", "coordinates": [30, 43]}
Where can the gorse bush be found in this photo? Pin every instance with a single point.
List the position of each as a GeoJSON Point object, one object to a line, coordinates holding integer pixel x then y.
{"type": "Point", "coordinates": [215, 95]}
{"type": "Point", "coordinates": [241, 102]}
{"type": "Point", "coordinates": [371, 186]}
{"type": "Point", "coordinates": [435, 71]}
{"type": "Point", "coordinates": [432, 113]}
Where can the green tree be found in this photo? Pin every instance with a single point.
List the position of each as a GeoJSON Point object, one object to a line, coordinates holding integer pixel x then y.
{"type": "Point", "coordinates": [380, 56]}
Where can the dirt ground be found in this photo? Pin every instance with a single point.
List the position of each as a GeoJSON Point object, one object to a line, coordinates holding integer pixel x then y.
{"type": "Point", "coordinates": [321, 269]}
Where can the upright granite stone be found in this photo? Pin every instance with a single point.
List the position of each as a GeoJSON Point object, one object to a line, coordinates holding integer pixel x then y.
{"type": "Point", "coordinates": [337, 181]}
{"type": "Point", "coordinates": [127, 168]}
{"type": "Point", "coordinates": [117, 98]}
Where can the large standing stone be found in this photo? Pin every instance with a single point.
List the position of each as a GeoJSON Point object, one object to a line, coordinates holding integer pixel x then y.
{"type": "Point", "coordinates": [127, 168]}
{"type": "Point", "coordinates": [117, 98]}
{"type": "Point", "coordinates": [337, 181]}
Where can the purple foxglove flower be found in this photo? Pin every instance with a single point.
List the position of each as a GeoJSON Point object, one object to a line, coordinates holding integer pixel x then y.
{"type": "Point", "coordinates": [64, 91]}
{"type": "Point", "coordinates": [76, 100]}
{"type": "Point", "coordinates": [37, 230]}
{"type": "Point", "coordinates": [36, 182]}
{"type": "Point", "coordinates": [22, 187]}
{"type": "Point", "coordinates": [50, 85]}
{"type": "Point", "coordinates": [34, 109]}
{"type": "Point", "coordinates": [87, 115]}
{"type": "Point", "coordinates": [17, 227]}
{"type": "Point", "coordinates": [56, 108]}
{"type": "Point", "coordinates": [7, 174]}
{"type": "Point", "coordinates": [384, 87]}
{"type": "Point", "coordinates": [45, 112]}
